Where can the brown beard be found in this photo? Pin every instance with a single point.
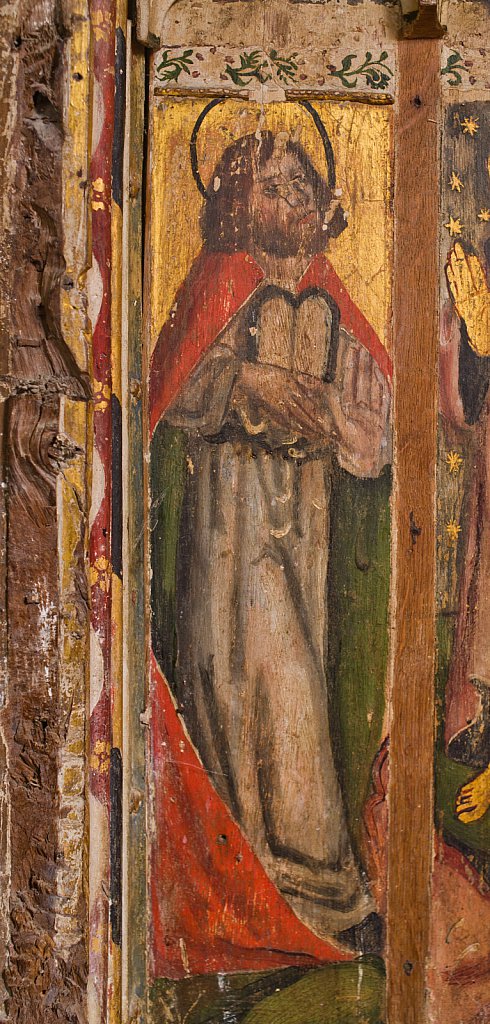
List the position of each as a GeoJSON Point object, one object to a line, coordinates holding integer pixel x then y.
{"type": "Point", "coordinates": [285, 243]}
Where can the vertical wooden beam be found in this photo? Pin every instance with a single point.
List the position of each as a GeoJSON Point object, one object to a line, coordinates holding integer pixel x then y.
{"type": "Point", "coordinates": [416, 296]}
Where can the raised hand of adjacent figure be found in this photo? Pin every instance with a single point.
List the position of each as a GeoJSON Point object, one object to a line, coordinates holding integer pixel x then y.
{"type": "Point", "coordinates": [471, 296]}
{"type": "Point", "coordinates": [473, 799]}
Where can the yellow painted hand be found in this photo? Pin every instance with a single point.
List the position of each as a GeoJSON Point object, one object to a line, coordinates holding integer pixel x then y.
{"type": "Point", "coordinates": [473, 799]}
{"type": "Point", "coordinates": [471, 296]}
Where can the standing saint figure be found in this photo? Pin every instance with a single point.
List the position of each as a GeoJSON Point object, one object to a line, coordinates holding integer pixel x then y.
{"type": "Point", "coordinates": [271, 372]}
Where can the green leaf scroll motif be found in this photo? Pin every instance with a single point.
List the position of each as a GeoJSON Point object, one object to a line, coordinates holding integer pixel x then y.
{"type": "Point", "coordinates": [376, 73]}
{"type": "Point", "coordinates": [453, 67]}
{"type": "Point", "coordinates": [285, 67]}
{"type": "Point", "coordinates": [251, 66]}
{"type": "Point", "coordinates": [170, 67]}
{"type": "Point", "coordinates": [259, 65]}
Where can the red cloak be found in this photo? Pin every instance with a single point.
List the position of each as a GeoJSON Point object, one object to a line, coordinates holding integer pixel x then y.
{"type": "Point", "coordinates": [217, 286]}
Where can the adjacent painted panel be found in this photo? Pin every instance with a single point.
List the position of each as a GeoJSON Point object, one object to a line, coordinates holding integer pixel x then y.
{"type": "Point", "coordinates": [459, 970]}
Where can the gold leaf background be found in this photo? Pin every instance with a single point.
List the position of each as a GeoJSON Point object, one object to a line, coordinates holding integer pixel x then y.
{"type": "Point", "coordinates": [361, 139]}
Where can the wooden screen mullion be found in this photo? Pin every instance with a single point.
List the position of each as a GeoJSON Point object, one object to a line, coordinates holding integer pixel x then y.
{"type": "Point", "coordinates": [416, 335]}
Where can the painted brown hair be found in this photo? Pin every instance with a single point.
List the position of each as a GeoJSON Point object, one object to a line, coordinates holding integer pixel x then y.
{"type": "Point", "coordinates": [226, 221]}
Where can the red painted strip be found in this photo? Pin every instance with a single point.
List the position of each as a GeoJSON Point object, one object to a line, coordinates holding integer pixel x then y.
{"type": "Point", "coordinates": [103, 18]}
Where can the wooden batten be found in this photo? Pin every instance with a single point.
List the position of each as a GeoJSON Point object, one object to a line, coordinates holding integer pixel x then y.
{"type": "Point", "coordinates": [415, 350]}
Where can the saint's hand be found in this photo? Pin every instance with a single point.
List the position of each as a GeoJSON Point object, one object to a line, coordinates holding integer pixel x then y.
{"type": "Point", "coordinates": [473, 799]}
{"type": "Point", "coordinates": [269, 399]}
{"type": "Point", "coordinates": [359, 402]}
{"type": "Point", "coordinates": [362, 390]}
{"type": "Point", "coordinates": [471, 297]}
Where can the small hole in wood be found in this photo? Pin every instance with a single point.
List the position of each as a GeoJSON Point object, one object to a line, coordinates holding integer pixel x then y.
{"type": "Point", "coordinates": [408, 967]}
{"type": "Point", "coordinates": [44, 108]}
{"type": "Point", "coordinates": [416, 102]}
{"type": "Point", "coordinates": [222, 839]}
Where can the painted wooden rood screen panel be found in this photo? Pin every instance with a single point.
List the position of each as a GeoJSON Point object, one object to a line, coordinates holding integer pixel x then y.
{"type": "Point", "coordinates": [301, 553]}
{"type": "Point", "coordinates": [270, 247]}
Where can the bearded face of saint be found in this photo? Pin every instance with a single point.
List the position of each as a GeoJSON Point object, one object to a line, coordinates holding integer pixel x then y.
{"type": "Point", "coordinates": [266, 196]}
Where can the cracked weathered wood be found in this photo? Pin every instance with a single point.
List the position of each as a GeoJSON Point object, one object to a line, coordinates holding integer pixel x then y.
{"type": "Point", "coordinates": [46, 972]}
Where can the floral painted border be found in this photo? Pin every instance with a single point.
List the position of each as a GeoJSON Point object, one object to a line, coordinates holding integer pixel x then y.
{"type": "Point", "coordinates": [464, 70]}
{"type": "Point", "coordinates": [453, 68]}
{"type": "Point", "coordinates": [371, 70]}
{"type": "Point", "coordinates": [283, 69]}
{"type": "Point", "coordinates": [376, 73]}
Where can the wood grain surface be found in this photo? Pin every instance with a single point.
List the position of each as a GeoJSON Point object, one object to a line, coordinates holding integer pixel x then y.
{"type": "Point", "coordinates": [415, 419]}
{"type": "Point", "coordinates": [45, 974]}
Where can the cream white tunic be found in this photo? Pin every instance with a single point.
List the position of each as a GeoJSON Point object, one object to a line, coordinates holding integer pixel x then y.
{"type": "Point", "coordinates": [252, 612]}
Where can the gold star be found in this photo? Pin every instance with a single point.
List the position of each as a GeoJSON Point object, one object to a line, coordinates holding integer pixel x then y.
{"type": "Point", "coordinates": [484, 215]}
{"type": "Point", "coordinates": [470, 125]}
{"type": "Point", "coordinates": [454, 462]}
{"type": "Point", "coordinates": [454, 226]}
{"type": "Point", "coordinates": [455, 182]}
{"type": "Point", "coordinates": [452, 530]}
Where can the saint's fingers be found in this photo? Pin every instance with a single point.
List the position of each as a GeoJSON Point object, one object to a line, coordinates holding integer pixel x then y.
{"type": "Point", "coordinates": [477, 274]}
{"type": "Point", "coordinates": [364, 378]}
{"type": "Point", "coordinates": [465, 268]}
{"type": "Point", "coordinates": [306, 412]}
{"type": "Point", "coordinates": [342, 355]}
{"type": "Point", "coordinates": [461, 277]}
{"type": "Point", "coordinates": [457, 257]}
{"type": "Point", "coordinates": [453, 282]}
{"type": "Point", "coordinates": [464, 799]}
{"type": "Point", "coordinates": [377, 395]}
{"type": "Point", "coordinates": [349, 382]}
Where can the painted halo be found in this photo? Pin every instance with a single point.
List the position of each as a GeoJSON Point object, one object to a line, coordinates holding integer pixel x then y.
{"type": "Point", "coordinates": [305, 104]}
